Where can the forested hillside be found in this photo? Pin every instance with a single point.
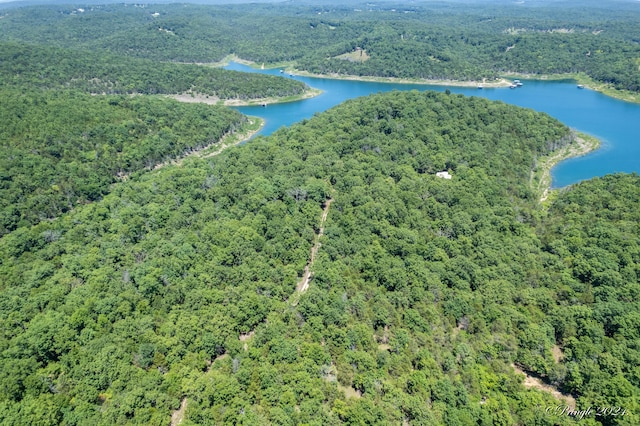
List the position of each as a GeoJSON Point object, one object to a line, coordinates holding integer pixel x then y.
{"type": "Point", "coordinates": [32, 66]}
{"type": "Point", "coordinates": [456, 41]}
{"type": "Point", "coordinates": [592, 249]}
{"type": "Point", "coordinates": [61, 148]}
{"type": "Point", "coordinates": [324, 275]}
{"type": "Point", "coordinates": [180, 283]}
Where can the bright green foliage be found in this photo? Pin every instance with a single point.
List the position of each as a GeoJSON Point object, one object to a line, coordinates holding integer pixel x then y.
{"type": "Point", "coordinates": [176, 283]}
{"type": "Point", "coordinates": [425, 289]}
{"type": "Point", "coordinates": [593, 232]}
{"type": "Point", "coordinates": [420, 40]}
{"type": "Point", "coordinates": [60, 149]}
{"type": "Point", "coordinates": [50, 68]}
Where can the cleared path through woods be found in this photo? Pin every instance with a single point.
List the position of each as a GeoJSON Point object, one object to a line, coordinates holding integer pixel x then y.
{"type": "Point", "coordinates": [536, 383]}
{"type": "Point", "coordinates": [303, 284]}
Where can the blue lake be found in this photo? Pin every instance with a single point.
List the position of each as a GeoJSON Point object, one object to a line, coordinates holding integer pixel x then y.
{"type": "Point", "coordinates": [616, 123]}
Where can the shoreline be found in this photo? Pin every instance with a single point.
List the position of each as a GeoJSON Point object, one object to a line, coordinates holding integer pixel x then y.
{"type": "Point", "coordinates": [289, 69]}
{"type": "Point", "coordinates": [235, 58]}
{"type": "Point", "coordinates": [212, 100]}
{"type": "Point", "coordinates": [540, 178]}
{"type": "Point", "coordinates": [253, 126]}
{"type": "Point", "coordinates": [502, 82]}
{"type": "Point", "coordinates": [605, 89]}
{"type": "Point", "coordinates": [308, 94]}
{"type": "Point", "coordinates": [584, 80]}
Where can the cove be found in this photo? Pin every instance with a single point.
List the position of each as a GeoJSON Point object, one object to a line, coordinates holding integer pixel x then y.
{"type": "Point", "coordinates": [616, 123]}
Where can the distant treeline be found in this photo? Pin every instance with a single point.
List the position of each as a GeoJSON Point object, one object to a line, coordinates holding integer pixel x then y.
{"type": "Point", "coordinates": [441, 41]}
{"type": "Point", "coordinates": [23, 65]}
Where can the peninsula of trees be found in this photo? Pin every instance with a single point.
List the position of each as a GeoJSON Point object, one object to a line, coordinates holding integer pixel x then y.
{"type": "Point", "coordinates": [25, 65]}
{"type": "Point", "coordinates": [175, 286]}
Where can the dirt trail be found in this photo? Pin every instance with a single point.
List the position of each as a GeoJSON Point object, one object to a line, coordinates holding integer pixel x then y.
{"type": "Point", "coordinates": [178, 416]}
{"type": "Point", "coordinates": [535, 383]}
{"type": "Point", "coordinates": [303, 284]}
{"type": "Point", "coordinates": [245, 338]}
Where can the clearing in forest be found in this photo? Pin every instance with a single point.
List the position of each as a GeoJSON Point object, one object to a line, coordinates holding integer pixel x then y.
{"type": "Point", "coordinates": [178, 415]}
{"type": "Point", "coordinates": [358, 55]}
{"type": "Point", "coordinates": [536, 383]}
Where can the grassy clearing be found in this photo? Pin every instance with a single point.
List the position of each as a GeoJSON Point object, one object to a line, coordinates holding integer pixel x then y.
{"type": "Point", "coordinates": [355, 56]}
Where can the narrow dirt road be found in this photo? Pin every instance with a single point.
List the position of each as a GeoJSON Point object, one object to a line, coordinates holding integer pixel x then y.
{"type": "Point", "coordinates": [534, 382]}
{"type": "Point", "coordinates": [303, 284]}
{"type": "Point", "coordinates": [178, 415]}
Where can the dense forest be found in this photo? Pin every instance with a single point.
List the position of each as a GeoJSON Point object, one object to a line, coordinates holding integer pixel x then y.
{"type": "Point", "coordinates": [426, 291]}
{"type": "Point", "coordinates": [64, 148]}
{"type": "Point", "coordinates": [457, 41]}
{"type": "Point", "coordinates": [326, 274]}
{"type": "Point", "coordinates": [100, 73]}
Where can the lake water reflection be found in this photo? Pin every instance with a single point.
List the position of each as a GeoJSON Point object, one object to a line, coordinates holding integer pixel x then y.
{"type": "Point", "coordinates": [616, 123]}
